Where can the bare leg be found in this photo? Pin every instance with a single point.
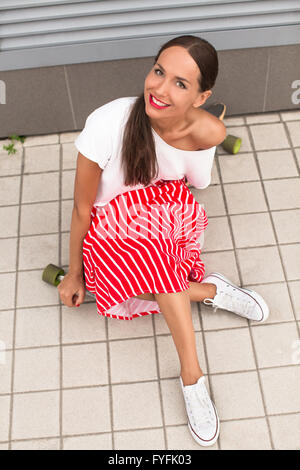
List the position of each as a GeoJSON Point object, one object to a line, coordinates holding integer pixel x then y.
{"type": "Point", "coordinates": [197, 292]}
{"type": "Point", "coordinates": [176, 309]}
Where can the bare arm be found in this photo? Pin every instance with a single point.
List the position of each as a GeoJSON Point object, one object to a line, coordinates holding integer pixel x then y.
{"type": "Point", "coordinates": [87, 179]}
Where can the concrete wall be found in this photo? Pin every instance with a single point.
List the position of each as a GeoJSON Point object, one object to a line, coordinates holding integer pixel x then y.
{"type": "Point", "coordinates": [58, 99]}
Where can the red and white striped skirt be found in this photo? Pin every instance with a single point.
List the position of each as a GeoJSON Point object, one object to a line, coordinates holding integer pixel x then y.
{"type": "Point", "coordinates": [144, 240]}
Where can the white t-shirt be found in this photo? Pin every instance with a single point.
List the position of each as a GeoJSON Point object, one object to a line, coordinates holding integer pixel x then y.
{"type": "Point", "coordinates": [101, 142]}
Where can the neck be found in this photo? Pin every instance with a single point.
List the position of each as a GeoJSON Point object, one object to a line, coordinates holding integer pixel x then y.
{"type": "Point", "coordinates": [172, 125]}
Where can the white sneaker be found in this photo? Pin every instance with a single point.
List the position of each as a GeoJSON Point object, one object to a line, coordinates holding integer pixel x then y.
{"type": "Point", "coordinates": [242, 301]}
{"type": "Point", "coordinates": [203, 420]}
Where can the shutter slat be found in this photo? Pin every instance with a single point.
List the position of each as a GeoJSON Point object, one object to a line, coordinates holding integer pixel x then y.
{"type": "Point", "coordinates": [50, 24]}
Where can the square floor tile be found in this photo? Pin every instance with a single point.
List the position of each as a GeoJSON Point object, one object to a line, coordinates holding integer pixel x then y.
{"type": "Point", "coordinates": [246, 434]}
{"type": "Point", "coordinates": [283, 194]}
{"type": "Point", "coordinates": [36, 369]}
{"type": "Point", "coordinates": [277, 164]}
{"type": "Point", "coordinates": [82, 324]}
{"type": "Point", "coordinates": [93, 442]}
{"type": "Point", "coordinates": [37, 327]}
{"type": "Point", "coordinates": [143, 411]}
{"type": "Point", "coordinates": [237, 395]}
{"type": "Point", "coordinates": [211, 200]}
{"type": "Point", "coordinates": [273, 344]}
{"type": "Point", "coordinates": [33, 292]}
{"type": "Point", "coordinates": [290, 115]}
{"type": "Point", "coordinates": [68, 136]}
{"type": "Point", "coordinates": [217, 235]}
{"type": "Point", "coordinates": [41, 158]}
{"type": "Point", "coordinates": [40, 187]}
{"type": "Point", "coordinates": [8, 258]}
{"type": "Point", "coordinates": [9, 221]}
{"type": "Point", "coordinates": [180, 438]}
{"type": "Point", "coordinates": [7, 290]}
{"type": "Point", "coordinates": [295, 294]}
{"type": "Point", "coordinates": [225, 264]}
{"type": "Point", "coordinates": [277, 297]}
{"type": "Point", "coordinates": [35, 415]}
{"type": "Point", "coordinates": [242, 133]}
{"type": "Point", "coordinates": [36, 251]}
{"type": "Point", "coordinates": [287, 225]}
{"type": "Point", "coordinates": [132, 360]}
{"type": "Point", "coordinates": [285, 431]}
{"type": "Point", "coordinates": [6, 329]}
{"type": "Point", "coordinates": [69, 153]}
{"type": "Point", "coordinates": [10, 165]}
{"type": "Point", "coordinates": [281, 389]}
{"type": "Point", "coordinates": [10, 190]}
{"type": "Point", "coordinates": [85, 364]}
{"type": "Point", "coordinates": [290, 256]}
{"type": "Point", "coordinates": [5, 370]}
{"type": "Point", "coordinates": [169, 364]}
{"type": "Point", "coordinates": [262, 117]}
{"type": "Point", "coordinates": [38, 444]}
{"type": "Point", "coordinates": [229, 350]}
{"type": "Point", "coordinates": [140, 439]}
{"type": "Point", "coordinates": [139, 326]}
{"type": "Point", "coordinates": [241, 167]}
{"type": "Point", "coordinates": [33, 214]}
{"type": "Point", "coordinates": [4, 412]}
{"type": "Point", "coordinates": [252, 230]}
{"type": "Point", "coordinates": [46, 139]}
{"type": "Point", "coordinates": [86, 410]}
{"type": "Point", "coordinates": [68, 181]}
{"type": "Point", "coordinates": [260, 265]}
{"type": "Point", "coordinates": [173, 402]}
{"type": "Point", "coordinates": [269, 136]}
{"type": "Point", "coordinates": [294, 130]}
{"type": "Point", "coordinates": [238, 200]}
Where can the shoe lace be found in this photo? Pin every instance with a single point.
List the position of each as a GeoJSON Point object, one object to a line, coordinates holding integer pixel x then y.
{"type": "Point", "coordinates": [200, 402]}
{"type": "Point", "coordinates": [233, 303]}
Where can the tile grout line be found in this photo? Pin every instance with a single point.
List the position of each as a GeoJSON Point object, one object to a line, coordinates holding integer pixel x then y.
{"type": "Point", "coordinates": [15, 306]}
{"type": "Point", "coordinates": [159, 383]}
{"type": "Point", "coordinates": [241, 280]}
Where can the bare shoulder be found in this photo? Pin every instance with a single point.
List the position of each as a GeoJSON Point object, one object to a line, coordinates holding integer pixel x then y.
{"type": "Point", "coordinates": [207, 130]}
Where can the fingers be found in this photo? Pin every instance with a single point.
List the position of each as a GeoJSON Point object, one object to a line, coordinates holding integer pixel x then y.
{"type": "Point", "coordinates": [71, 300]}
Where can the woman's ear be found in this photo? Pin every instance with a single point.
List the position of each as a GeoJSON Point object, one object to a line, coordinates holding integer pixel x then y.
{"type": "Point", "coordinates": [202, 98]}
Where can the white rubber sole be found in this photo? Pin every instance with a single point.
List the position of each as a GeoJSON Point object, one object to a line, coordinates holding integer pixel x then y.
{"type": "Point", "coordinates": [259, 300]}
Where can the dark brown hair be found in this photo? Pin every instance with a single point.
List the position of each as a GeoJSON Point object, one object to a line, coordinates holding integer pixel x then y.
{"type": "Point", "coordinates": [138, 149]}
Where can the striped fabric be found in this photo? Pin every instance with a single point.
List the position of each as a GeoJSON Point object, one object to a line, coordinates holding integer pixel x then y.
{"type": "Point", "coordinates": [144, 240]}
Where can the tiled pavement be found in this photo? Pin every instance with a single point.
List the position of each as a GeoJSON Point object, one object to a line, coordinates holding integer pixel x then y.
{"type": "Point", "coordinates": [71, 379]}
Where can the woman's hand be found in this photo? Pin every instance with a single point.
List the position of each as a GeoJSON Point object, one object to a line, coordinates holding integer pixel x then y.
{"type": "Point", "coordinates": [72, 290]}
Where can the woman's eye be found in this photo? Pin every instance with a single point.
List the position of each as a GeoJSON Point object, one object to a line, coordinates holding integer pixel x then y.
{"type": "Point", "coordinates": [158, 70]}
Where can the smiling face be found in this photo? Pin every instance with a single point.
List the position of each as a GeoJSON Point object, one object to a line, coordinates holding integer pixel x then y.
{"type": "Point", "coordinates": [173, 80]}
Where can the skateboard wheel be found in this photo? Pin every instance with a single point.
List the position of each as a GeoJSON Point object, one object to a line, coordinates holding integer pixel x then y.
{"type": "Point", "coordinates": [232, 144]}
{"type": "Point", "coordinates": [51, 273]}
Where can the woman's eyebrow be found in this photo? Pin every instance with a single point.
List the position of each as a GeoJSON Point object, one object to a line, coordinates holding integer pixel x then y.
{"type": "Point", "coordinates": [179, 78]}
